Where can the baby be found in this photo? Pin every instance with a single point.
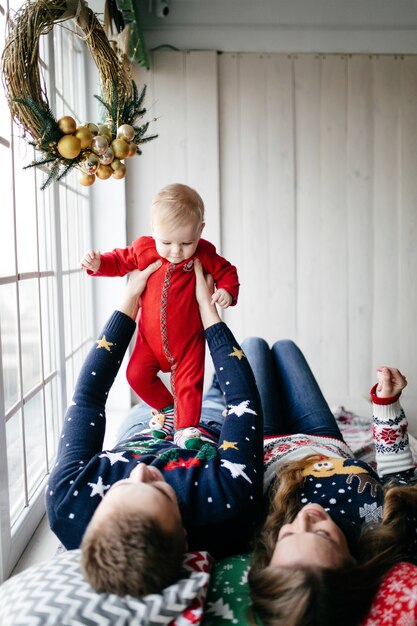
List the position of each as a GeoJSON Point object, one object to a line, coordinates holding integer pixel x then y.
{"type": "Point", "coordinates": [170, 335]}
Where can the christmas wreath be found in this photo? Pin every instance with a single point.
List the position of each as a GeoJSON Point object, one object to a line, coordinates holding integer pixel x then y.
{"type": "Point", "coordinates": [97, 150]}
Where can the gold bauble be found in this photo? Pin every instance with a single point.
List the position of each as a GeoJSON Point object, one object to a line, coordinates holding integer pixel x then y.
{"type": "Point", "coordinates": [125, 132]}
{"type": "Point", "coordinates": [67, 124]}
{"type": "Point", "coordinates": [104, 172]}
{"type": "Point", "coordinates": [115, 164]}
{"type": "Point", "coordinates": [132, 149]}
{"type": "Point", "coordinates": [120, 148]}
{"type": "Point", "coordinates": [69, 146]}
{"type": "Point", "coordinates": [120, 172]}
{"type": "Point", "coordinates": [107, 157]}
{"type": "Point", "coordinates": [93, 127]}
{"type": "Point", "coordinates": [90, 163]}
{"type": "Point", "coordinates": [86, 179]}
{"type": "Point", "coordinates": [85, 135]}
{"type": "Point", "coordinates": [99, 144]}
{"type": "Point", "coordinates": [105, 131]}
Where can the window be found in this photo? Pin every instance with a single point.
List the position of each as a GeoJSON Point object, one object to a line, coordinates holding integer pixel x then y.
{"type": "Point", "coordinates": [45, 301]}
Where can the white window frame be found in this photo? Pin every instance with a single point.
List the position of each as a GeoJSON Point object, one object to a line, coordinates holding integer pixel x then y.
{"type": "Point", "coordinates": [71, 201]}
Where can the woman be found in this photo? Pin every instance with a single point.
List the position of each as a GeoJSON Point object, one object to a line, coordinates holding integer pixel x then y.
{"type": "Point", "coordinates": [334, 527]}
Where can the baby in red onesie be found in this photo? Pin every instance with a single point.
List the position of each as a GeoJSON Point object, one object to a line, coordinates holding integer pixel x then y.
{"type": "Point", "coordinates": [170, 336]}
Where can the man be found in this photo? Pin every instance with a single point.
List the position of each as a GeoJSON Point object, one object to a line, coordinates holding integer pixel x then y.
{"type": "Point", "coordinates": [136, 509]}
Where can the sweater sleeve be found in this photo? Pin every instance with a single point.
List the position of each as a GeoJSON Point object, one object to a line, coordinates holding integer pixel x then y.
{"type": "Point", "coordinates": [241, 439]}
{"type": "Point", "coordinates": [390, 432]}
{"type": "Point", "coordinates": [84, 425]}
{"type": "Point", "coordinates": [224, 273]}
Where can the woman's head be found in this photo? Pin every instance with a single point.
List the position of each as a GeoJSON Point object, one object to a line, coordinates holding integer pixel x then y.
{"type": "Point", "coordinates": [312, 539]}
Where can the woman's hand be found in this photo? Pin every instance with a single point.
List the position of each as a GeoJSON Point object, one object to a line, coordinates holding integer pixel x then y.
{"type": "Point", "coordinates": [204, 289]}
{"type": "Point", "coordinates": [135, 287]}
{"type": "Point", "coordinates": [390, 382]}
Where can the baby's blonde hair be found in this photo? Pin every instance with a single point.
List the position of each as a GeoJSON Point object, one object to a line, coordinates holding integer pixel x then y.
{"type": "Point", "coordinates": [176, 205]}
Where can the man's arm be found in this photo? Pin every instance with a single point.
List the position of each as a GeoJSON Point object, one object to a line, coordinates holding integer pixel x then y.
{"type": "Point", "coordinates": [241, 440]}
{"type": "Point", "coordinates": [84, 423]}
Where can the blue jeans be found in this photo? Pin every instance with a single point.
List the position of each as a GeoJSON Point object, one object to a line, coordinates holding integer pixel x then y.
{"type": "Point", "coordinates": [211, 415]}
{"type": "Point", "coordinates": [292, 401]}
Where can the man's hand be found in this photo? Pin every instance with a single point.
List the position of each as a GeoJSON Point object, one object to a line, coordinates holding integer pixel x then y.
{"type": "Point", "coordinates": [135, 287]}
{"type": "Point", "coordinates": [203, 292]}
{"type": "Point", "coordinates": [222, 297]}
{"type": "Point", "coordinates": [91, 261]}
{"type": "Point", "coordinates": [390, 382]}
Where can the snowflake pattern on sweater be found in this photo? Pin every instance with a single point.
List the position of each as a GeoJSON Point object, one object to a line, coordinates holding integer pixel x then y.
{"type": "Point", "coordinates": [347, 488]}
{"type": "Point", "coordinates": [219, 489]}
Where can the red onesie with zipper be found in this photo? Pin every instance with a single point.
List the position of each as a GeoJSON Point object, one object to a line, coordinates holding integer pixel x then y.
{"type": "Point", "coordinates": [170, 336]}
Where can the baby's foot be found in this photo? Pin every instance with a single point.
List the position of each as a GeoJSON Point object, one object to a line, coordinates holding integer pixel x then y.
{"type": "Point", "coordinates": [161, 424]}
{"type": "Point", "coordinates": [188, 438]}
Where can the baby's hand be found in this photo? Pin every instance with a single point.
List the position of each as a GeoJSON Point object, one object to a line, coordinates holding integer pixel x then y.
{"type": "Point", "coordinates": [390, 382]}
{"type": "Point", "coordinates": [91, 261]}
{"type": "Point", "coordinates": [222, 298]}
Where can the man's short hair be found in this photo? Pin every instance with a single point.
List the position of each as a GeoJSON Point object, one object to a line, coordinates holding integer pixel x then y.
{"type": "Point", "coordinates": [127, 553]}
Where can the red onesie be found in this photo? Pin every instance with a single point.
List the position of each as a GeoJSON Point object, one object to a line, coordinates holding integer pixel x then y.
{"type": "Point", "coordinates": [170, 335]}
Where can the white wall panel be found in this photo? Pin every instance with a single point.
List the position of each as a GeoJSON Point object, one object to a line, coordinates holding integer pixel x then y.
{"type": "Point", "coordinates": [308, 167]}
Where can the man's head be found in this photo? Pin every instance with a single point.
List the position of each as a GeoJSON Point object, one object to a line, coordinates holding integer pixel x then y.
{"type": "Point", "coordinates": [135, 542]}
{"type": "Point", "coordinates": [177, 221]}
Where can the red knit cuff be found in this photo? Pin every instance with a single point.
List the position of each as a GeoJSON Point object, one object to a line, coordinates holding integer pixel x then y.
{"type": "Point", "coordinates": [377, 400]}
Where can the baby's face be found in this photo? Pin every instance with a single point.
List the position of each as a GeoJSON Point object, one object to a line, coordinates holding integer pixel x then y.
{"type": "Point", "coordinates": [176, 243]}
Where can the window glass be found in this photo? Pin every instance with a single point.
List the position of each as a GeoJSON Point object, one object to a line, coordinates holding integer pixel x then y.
{"type": "Point", "coordinates": [15, 463]}
{"type": "Point", "coordinates": [52, 421]}
{"type": "Point", "coordinates": [26, 226]}
{"type": "Point", "coordinates": [10, 345]}
{"type": "Point", "coordinates": [49, 325]}
{"type": "Point", "coordinates": [35, 441]}
{"type": "Point", "coordinates": [30, 333]}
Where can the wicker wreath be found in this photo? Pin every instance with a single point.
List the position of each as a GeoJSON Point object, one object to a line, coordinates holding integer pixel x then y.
{"type": "Point", "coordinates": [96, 149]}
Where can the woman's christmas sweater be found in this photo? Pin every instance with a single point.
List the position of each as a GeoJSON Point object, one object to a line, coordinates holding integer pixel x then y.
{"type": "Point", "coordinates": [349, 489]}
{"type": "Point", "coordinates": [219, 488]}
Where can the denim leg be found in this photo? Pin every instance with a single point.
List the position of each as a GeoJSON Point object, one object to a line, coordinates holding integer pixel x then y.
{"type": "Point", "coordinates": [306, 410]}
{"type": "Point", "coordinates": [259, 356]}
{"type": "Point", "coordinates": [135, 421]}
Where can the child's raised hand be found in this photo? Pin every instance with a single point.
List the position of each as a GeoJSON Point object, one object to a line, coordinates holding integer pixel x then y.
{"type": "Point", "coordinates": [221, 297]}
{"type": "Point", "coordinates": [390, 382]}
{"type": "Point", "coordinates": [91, 260]}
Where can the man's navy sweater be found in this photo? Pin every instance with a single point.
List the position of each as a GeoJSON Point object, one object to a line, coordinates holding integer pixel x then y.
{"type": "Point", "coordinates": [219, 489]}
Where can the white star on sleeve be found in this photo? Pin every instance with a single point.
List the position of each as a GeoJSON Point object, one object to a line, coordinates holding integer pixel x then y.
{"type": "Point", "coordinates": [98, 489]}
{"type": "Point", "coordinates": [236, 469]}
{"type": "Point", "coordinates": [240, 409]}
{"type": "Point", "coordinates": [114, 457]}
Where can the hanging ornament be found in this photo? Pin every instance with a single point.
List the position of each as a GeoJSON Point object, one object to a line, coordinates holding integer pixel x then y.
{"type": "Point", "coordinates": [107, 157]}
{"type": "Point", "coordinates": [90, 163]}
{"type": "Point", "coordinates": [120, 172]}
{"type": "Point", "coordinates": [69, 146]}
{"type": "Point", "coordinates": [93, 128]}
{"type": "Point", "coordinates": [86, 179]}
{"type": "Point", "coordinates": [104, 172]}
{"type": "Point", "coordinates": [99, 145]}
{"type": "Point", "coordinates": [120, 148]}
{"type": "Point", "coordinates": [126, 132]}
{"type": "Point", "coordinates": [105, 131]}
{"type": "Point", "coordinates": [67, 124]}
{"type": "Point", "coordinates": [84, 134]}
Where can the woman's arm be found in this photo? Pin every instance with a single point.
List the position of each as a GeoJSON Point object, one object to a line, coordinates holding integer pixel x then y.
{"type": "Point", "coordinates": [390, 427]}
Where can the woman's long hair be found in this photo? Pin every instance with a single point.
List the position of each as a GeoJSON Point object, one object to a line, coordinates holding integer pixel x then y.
{"type": "Point", "coordinates": [306, 596]}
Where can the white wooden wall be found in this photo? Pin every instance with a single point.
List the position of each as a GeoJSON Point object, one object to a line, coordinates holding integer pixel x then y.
{"type": "Point", "coordinates": [308, 168]}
